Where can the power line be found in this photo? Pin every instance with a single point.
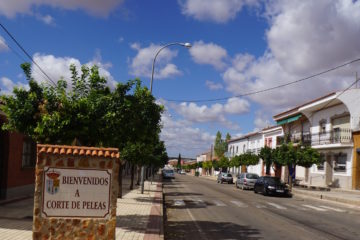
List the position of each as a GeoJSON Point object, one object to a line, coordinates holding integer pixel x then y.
{"type": "Point", "coordinates": [26, 53]}
{"type": "Point", "coordinates": [266, 89]}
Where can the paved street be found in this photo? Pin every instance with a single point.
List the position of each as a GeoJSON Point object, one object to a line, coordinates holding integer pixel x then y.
{"type": "Point", "coordinates": [199, 208]}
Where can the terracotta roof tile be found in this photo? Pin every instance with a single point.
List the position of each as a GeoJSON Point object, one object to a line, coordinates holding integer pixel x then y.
{"type": "Point", "coordinates": [77, 150]}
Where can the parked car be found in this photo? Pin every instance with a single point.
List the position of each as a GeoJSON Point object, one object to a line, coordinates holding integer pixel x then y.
{"type": "Point", "coordinates": [246, 180]}
{"type": "Point", "coordinates": [225, 177]}
{"type": "Point", "coordinates": [271, 186]}
{"type": "Point", "coordinates": [182, 171]}
{"type": "Point", "coordinates": [168, 173]}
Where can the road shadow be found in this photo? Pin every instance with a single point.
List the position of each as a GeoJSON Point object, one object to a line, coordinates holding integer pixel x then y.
{"type": "Point", "coordinates": [176, 194]}
{"type": "Point", "coordinates": [188, 204]}
{"type": "Point", "coordinates": [138, 223]}
{"type": "Point", "coordinates": [209, 230]}
{"type": "Point", "coordinates": [147, 200]}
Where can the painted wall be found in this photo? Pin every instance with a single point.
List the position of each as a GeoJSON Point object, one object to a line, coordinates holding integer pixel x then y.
{"type": "Point", "coordinates": [18, 176]}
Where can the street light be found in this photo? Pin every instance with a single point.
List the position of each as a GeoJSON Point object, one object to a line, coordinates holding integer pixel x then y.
{"type": "Point", "coordinates": [187, 45]}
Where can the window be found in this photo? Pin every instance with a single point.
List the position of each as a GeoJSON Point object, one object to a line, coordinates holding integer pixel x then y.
{"type": "Point", "coordinates": [340, 162]}
{"type": "Point", "coordinates": [28, 153]}
{"type": "Point", "coordinates": [320, 166]}
{"type": "Point", "coordinates": [237, 149]}
{"type": "Point", "coordinates": [322, 125]}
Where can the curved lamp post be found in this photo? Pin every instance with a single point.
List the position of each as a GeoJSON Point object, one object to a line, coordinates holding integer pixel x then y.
{"type": "Point", "coordinates": [187, 45]}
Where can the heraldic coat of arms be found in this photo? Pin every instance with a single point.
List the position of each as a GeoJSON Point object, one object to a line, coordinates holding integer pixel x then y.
{"type": "Point", "coordinates": [52, 182]}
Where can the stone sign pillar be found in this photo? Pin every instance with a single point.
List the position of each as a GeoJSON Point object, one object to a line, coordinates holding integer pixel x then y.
{"type": "Point", "coordinates": [75, 192]}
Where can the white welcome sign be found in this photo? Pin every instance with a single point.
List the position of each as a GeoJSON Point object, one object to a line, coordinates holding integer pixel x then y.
{"type": "Point", "coordinates": [79, 193]}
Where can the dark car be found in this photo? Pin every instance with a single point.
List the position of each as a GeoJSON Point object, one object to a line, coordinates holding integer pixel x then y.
{"type": "Point", "coordinates": [225, 177]}
{"type": "Point", "coordinates": [271, 186]}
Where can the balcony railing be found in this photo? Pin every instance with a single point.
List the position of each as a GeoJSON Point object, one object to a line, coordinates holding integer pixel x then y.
{"type": "Point", "coordinates": [337, 135]}
{"type": "Point", "coordinates": [304, 138]}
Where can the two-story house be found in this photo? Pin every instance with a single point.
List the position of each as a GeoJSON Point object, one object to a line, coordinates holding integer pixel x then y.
{"type": "Point", "coordinates": [334, 120]}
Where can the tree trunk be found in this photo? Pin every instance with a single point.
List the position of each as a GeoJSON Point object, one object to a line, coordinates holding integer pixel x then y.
{"type": "Point", "coordinates": [138, 175]}
{"type": "Point", "coordinates": [132, 177]}
{"type": "Point", "coordinates": [267, 172]}
{"type": "Point", "coordinates": [120, 180]}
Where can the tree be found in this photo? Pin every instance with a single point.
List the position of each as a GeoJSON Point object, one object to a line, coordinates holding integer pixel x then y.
{"type": "Point", "coordinates": [223, 163]}
{"type": "Point", "coordinates": [288, 155]}
{"type": "Point", "coordinates": [179, 162]}
{"type": "Point", "coordinates": [266, 154]}
{"type": "Point", "coordinates": [218, 145]}
{"type": "Point", "coordinates": [90, 114]}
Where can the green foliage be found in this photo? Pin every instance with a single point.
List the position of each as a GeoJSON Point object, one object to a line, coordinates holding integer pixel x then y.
{"type": "Point", "coordinates": [308, 156]}
{"type": "Point", "coordinates": [207, 165]}
{"type": "Point", "coordinates": [244, 159]}
{"type": "Point", "coordinates": [223, 162]}
{"type": "Point", "coordinates": [220, 145]}
{"type": "Point", "coordinates": [248, 159]}
{"type": "Point", "coordinates": [89, 113]}
{"type": "Point", "coordinates": [267, 155]}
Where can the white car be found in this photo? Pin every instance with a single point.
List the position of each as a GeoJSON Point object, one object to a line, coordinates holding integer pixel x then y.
{"type": "Point", "coordinates": [182, 172]}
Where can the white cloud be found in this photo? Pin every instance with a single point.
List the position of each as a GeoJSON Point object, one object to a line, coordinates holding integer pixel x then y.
{"type": "Point", "coordinates": [214, 10]}
{"type": "Point", "coordinates": [236, 106]}
{"type": "Point", "coordinates": [3, 46]}
{"type": "Point", "coordinates": [47, 19]}
{"type": "Point", "coordinates": [180, 137]}
{"type": "Point", "coordinates": [215, 113]}
{"type": "Point", "coordinates": [7, 86]}
{"type": "Point", "coordinates": [303, 39]}
{"type": "Point", "coordinates": [11, 8]}
{"type": "Point", "coordinates": [209, 53]}
{"type": "Point", "coordinates": [57, 67]}
{"type": "Point", "coordinates": [213, 86]}
{"type": "Point", "coordinates": [261, 121]}
{"type": "Point", "coordinates": [141, 64]}
{"type": "Point", "coordinates": [316, 33]}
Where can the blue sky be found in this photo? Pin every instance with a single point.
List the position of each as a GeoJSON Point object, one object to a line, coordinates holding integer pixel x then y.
{"type": "Point", "coordinates": [239, 46]}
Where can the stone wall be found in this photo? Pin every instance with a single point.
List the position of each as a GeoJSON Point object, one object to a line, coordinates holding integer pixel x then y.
{"type": "Point", "coordinates": [74, 157]}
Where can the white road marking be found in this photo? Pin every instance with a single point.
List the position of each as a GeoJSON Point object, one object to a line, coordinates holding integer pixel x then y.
{"type": "Point", "coordinates": [198, 202]}
{"type": "Point", "coordinates": [296, 207]}
{"type": "Point", "coordinates": [260, 206]}
{"type": "Point", "coordinates": [239, 204]}
{"type": "Point", "coordinates": [334, 209]}
{"type": "Point", "coordinates": [315, 208]}
{"type": "Point", "coordinates": [219, 203]}
{"type": "Point", "coordinates": [277, 206]}
{"type": "Point", "coordinates": [179, 202]}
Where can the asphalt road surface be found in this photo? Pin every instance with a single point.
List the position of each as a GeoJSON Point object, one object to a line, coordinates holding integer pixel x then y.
{"type": "Point", "coordinates": [199, 208]}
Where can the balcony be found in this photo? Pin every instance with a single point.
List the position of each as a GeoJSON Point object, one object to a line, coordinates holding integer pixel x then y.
{"type": "Point", "coordinates": [337, 135]}
{"type": "Point", "coordinates": [304, 138]}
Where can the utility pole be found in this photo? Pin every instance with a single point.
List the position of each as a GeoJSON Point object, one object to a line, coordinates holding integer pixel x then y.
{"type": "Point", "coordinates": [211, 149]}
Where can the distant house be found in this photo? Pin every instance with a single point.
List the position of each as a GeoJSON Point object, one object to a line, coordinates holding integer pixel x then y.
{"type": "Point", "coordinates": [17, 163]}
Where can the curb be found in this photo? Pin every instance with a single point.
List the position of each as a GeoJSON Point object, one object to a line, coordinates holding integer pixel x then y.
{"type": "Point", "coordinates": [155, 227]}
{"type": "Point", "coordinates": [325, 197]}
{"type": "Point", "coordinates": [13, 200]}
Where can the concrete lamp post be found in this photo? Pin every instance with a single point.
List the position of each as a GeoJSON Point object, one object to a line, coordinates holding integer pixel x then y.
{"type": "Point", "coordinates": [187, 45]}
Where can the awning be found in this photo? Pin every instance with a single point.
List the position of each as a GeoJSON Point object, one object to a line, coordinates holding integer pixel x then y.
{"type": "Point", "coordinates": [288, 120]}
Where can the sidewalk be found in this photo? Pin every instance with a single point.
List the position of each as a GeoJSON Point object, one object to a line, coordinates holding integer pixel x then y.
{"type": "Point", "coordinates": [139, 216]}
{"type": "Point", "coordinates": [336, 195]}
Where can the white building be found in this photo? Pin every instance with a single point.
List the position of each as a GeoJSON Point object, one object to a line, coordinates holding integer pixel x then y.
{"type": "Point", "coordinates": [333, 120]}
